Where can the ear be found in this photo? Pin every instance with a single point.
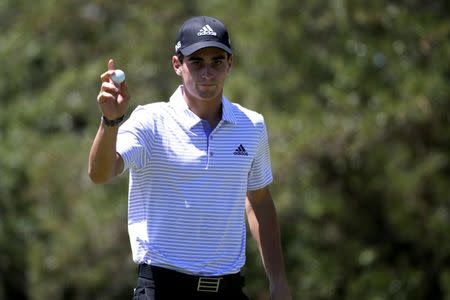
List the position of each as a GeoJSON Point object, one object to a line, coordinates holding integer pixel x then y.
{"type": "Point", "coordinates": [176, 64]}
{"type": "Point", "coordinates": [230, 62]}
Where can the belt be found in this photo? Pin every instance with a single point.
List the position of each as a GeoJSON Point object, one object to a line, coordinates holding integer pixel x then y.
{"type": "Point", "coordinates": [166, 278]}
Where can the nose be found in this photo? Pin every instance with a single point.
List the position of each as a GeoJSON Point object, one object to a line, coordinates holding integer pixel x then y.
{"type": "Point", "coordinates": [207, 72]}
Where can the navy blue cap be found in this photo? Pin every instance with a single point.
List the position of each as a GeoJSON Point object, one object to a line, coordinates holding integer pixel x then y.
{"type": "Point", "coordinates": [201, 32]}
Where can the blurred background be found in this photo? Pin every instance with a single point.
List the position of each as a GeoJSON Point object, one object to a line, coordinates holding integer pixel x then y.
{"type": "Point", "coordinates": [356, 99]}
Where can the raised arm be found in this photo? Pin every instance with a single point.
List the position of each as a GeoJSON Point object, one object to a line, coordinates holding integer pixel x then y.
{"type": "Point", "coordinates": [104, 162]}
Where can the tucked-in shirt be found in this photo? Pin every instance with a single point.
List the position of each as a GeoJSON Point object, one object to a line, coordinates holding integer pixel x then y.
{"type": "Point", "coordinates": [188, 183]}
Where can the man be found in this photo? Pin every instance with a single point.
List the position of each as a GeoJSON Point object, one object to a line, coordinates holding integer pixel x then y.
{"type": "Point", "coordinates": [193, 162]}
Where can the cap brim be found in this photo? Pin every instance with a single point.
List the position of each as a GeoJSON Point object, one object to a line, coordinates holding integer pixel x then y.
{"type": "Point", "coordinates": [200, 45]}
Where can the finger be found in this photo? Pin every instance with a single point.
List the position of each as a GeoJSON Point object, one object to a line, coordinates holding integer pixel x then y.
{"type": "Point", "coordinates": [124, 91]}
{"type": "Point", "coordinates": [105, 97]}
{"type": "Point", "coordinates": [111, 64]}
{"type": "Point", "coordinates": [109, 87]}
{"type": "Point", "coordinates": [107, 75]}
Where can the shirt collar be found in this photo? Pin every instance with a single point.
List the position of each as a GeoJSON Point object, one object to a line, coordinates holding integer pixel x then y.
{"type": "Point", "coordinates": [189, 118]}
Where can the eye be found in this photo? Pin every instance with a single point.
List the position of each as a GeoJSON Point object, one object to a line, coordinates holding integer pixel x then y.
{"type": "Point", "coordinates": [196, 63]}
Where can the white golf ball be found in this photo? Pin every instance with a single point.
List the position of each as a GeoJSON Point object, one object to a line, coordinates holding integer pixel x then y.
{"type": "Point", "coordinates": [118, 76]}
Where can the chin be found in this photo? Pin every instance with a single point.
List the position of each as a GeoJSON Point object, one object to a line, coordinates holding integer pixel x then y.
{"type": "Point", "coordinates": [209, 97]}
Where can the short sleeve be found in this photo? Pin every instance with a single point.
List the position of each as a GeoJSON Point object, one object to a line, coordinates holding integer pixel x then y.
{"type": "Point", "coordinates": [260, 174]}
{"type": "Point", "coordinates": [134, 139]}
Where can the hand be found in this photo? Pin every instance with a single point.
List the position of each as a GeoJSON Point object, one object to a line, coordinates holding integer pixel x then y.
{"type": "Point", "coordinates": [112, 98]}
{"type": "Point", "coordinates": [280, 291]}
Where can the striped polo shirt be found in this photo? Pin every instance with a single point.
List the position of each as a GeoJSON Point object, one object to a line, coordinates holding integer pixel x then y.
{"type": "Point", "coordinates": [187, 188]}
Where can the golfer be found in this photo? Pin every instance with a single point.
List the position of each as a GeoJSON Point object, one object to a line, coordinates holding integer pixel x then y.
{"type": "Point", "coordinates": [199, 164]}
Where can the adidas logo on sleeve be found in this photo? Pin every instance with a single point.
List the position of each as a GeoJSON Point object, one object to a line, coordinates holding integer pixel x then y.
{"type": "Point", "coordinates": [206, 30]}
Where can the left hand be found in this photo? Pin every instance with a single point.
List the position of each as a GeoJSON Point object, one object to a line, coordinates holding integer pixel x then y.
{"type": "Point", "coordinates": [280, 291]}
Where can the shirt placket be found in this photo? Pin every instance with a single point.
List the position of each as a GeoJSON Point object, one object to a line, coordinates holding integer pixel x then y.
{"type": "Point", "coordinates": [209, 144]}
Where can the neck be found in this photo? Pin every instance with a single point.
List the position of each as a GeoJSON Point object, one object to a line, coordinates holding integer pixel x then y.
{"type": "Point", "coordinates": [209, 110]}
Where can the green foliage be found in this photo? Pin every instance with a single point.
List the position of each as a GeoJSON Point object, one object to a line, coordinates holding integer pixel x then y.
{"type": "Point", "coordinates": [356, 99]}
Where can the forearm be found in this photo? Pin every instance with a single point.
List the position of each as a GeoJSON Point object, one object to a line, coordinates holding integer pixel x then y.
{"type": "Point", "coordinates": [262, 219]}
{"type": "Point", "coordinates": [103, 156]}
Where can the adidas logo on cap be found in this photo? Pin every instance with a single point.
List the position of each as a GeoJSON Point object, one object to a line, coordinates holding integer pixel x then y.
{"type": "Point", "coordinates": [206, 30]}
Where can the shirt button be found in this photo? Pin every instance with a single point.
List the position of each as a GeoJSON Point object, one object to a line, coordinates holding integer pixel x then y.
{"type": "Point", "coordinates": [211, 153]}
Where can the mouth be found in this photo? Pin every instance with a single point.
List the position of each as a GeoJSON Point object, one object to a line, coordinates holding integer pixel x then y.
{"type": "Point", "coordinates": [206, 85]}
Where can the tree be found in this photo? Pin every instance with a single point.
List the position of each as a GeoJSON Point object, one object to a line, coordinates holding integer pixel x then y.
{"type": "Point", "coordinates": [356, 100]}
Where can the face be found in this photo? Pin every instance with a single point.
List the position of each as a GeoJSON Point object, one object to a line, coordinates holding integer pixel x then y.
{"type": "Point", "coordinates": [204, 73]}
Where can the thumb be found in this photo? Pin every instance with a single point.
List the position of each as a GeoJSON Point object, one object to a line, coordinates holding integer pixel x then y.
{"type": "Point", "coordinates": [111, 64]}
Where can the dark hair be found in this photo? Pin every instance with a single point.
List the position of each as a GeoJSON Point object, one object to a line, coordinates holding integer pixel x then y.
{"type": "Point", "coordinates": [180, 57]}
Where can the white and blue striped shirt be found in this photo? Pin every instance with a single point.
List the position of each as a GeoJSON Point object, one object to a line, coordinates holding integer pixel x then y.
{"type": "Point", "coordinates": [187, 189]}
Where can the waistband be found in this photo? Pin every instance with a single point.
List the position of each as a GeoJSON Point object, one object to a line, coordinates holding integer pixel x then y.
{"type": "Point", "coordinates": [166, 278]}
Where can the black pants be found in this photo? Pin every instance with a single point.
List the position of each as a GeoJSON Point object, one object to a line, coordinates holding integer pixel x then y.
{"type": "Point", "coordinates": [156, 283]}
